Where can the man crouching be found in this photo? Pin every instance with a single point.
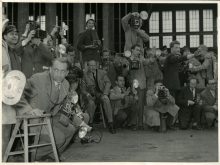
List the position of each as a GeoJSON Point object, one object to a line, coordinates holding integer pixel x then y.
{"type": "Point", "coordinates": [124, 104]}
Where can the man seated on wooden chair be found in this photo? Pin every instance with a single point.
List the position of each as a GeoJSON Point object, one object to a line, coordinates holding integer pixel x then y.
{"type": "Point", "coordinates": [124, 102]}
{"type": "Point", "coordinates": [46, 91]}
{"type": "Point", "coordinates": [98, 85]}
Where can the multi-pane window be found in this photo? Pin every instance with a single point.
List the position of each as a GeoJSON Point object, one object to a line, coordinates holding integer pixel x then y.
{"type": "Point", "coordinates": [154, 22]}
{"type": "Point", "coordinates": [207, 20]}
{"type": "Point", "coordinates": [194, 20]}
{"type": "Point", "coordinates": [42, 20]}
{"type": "Point", "coordinates": [194, 41]}
{"type": "Point", "coordinates": [154, 41]}
{"type": "Point", "coordinates": [180, 21]}
{"type": "Point", "coordinates": [167, 40]}
{"type": "Point", "coordinates": [208, 40]}
{"type": "Point", "coordinates": [182, 40]}
{"type": "Point", "coordinates": [167, 21]}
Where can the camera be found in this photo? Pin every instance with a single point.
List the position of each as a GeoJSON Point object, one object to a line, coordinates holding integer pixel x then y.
{"type": "Point", "coordinates": [135, 21]}
{"type": "Point", "coordinates": [135, 65]}
{"type": "Point", "coordinates": [40, 34]}
{"type": "Point", "coordinates": [163, 94]}
{"type": "Point", "coordinates": [96, 42]}
{"type": "Point", "coordinates": [33, 25]}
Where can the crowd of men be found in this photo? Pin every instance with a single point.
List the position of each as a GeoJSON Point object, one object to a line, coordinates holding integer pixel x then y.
{"type": "Point", "coordinates": [162, 89]}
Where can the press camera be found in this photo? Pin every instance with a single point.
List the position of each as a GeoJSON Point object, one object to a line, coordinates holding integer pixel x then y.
{"type": "Point", "coordinates": [135, 21]}
{"type": "Point", "coordinates": [135, 65]}
{"type": "Point", "coordinates": [163, 94]}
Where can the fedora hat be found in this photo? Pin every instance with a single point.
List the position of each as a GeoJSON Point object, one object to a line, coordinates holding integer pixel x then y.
{"type": "Point", "coordinates": [12, 87]}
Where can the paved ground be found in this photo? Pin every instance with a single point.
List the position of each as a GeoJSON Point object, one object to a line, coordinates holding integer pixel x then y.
{"type": "Point", "coordinates": [148, 146]}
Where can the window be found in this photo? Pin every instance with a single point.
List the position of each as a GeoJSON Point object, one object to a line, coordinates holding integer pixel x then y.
{"type": "Point", "coordinates": [194, 41]}
{"type": "Point", "coordinates": [154, 22]}
{"type": "Point", "coordinates": [180, 21]}
{"type": "Point", "coordinates": [167, 40]}
{"type": "Point", "coordinates": [167, 21]}
{"type": "Point", "coordinates": [154, 41]}
{"type": "Point", "coordinates": [182, 40]}
{"type": "Point", "coordinates": [207, 20]}
{"type": "Point", "coordinates": [208, 40]}
{"type": "Point", "coordinates": [42, 20]}
{"type": "Point", "coordinates": [194, 20]}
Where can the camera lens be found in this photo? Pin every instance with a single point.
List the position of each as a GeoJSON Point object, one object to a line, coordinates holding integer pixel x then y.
{"type": "Point", "coordinates": [124, 66]}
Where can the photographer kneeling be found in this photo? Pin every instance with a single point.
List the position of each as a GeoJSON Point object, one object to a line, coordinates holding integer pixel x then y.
{"type": "Point", "coordinates": [124, 103]}
{"type": "Point", "coordinates": [160, 104]}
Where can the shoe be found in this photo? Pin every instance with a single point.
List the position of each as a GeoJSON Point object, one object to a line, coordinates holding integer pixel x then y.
{"type": "Point", "coordinates": [196, 127]}
{"type": "Point", "coordinates": [141, 128]}
{"type": "Point", "coordinates": [173, 128]}
{"type": "Point", "coordinates": [112, 129]}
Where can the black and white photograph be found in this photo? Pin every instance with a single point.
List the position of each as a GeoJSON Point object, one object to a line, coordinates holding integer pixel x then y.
{"type": "Point", "coordinates": [110, 81]}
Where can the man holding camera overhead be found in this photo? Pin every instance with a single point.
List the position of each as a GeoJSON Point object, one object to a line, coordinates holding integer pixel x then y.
{"type": "Point", "coordinates": [131, 24]}
{"type": "Point", "coordinates": [36, 55]}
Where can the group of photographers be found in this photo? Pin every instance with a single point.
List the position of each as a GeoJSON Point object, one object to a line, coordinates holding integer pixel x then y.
{"type": "Point", "coordinates": [142, 86]}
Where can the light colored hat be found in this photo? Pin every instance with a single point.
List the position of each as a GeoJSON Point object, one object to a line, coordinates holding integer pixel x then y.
{"type": "Point", "coordinates": [12, 87]}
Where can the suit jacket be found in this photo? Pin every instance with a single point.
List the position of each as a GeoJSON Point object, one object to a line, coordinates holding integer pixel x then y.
{"type": "Point", "coordinates": [171, 71]}
{"type": "Point", "coordinates": [41, 93]}
{"type": "Point", "coordinates": [208, 98]}
{"type": "Point", "coordinates": [33, 59]}
{"type": "Point", "coordinates": [104, 83]}
{"type": "Point", "coordinates": [199, 74]}
{"type": "Point", "coordinates": [185, 95]}
{"type": "Point", "coordinates": [116, 99]}
{"type": "Point", "coordinates": [206, 68]}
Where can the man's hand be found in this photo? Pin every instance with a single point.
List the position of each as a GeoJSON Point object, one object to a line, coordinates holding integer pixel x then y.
{"type": "Point", "coordinates": [91, 46]}
{"type": "Point", "coordinates": [35, 112]}
{"type": "Point", "coordinates": [215, 107]}
{"type": "Point", "coordinates": [190, 102]}
{"type": "Point", "coordinates": [135, 14]}
{"type": "Point", "coordinates": [31, 34]}
{"type": "Point", "coordinates": [104, 96]}
{"type": "Point", "coordinates": [36, 41]}
{"type": "Point", "coordinates": [127, 91]}
{"type": "Point", "coordinates": [189, 56]}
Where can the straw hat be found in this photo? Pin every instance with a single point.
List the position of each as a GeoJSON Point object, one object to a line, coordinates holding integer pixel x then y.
{"type": "Point", "coordinates": [12, 87]}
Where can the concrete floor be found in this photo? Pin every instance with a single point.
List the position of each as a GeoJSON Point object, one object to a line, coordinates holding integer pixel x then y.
{"type": "Point", "coordinates": [148, 146]}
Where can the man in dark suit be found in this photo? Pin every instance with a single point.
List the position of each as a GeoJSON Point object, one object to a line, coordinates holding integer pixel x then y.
{"type": "Point", "coordinates": [171, 68]}
{"type": "Point", "coordinates": [98, 85]}
{"type": "Point", "coordinates": [210, 103]}
{"type": "Point", "coordinates": [190, 107]}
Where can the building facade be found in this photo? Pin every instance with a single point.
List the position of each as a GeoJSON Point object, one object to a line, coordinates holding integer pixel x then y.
{"type": "Point", "coordinates": [191, 24]}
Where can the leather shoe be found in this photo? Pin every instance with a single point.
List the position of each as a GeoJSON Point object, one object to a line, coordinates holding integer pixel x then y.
{"type": "Point", "coordinates": [111, 128]}
{"type": "Point", "coordinates": [196, 127]}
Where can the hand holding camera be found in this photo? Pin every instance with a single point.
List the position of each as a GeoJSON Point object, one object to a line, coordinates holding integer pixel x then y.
{"type": "Point", "coordinates": [31, 34]}
{"type": "Point", "coordinates": [190, 102]}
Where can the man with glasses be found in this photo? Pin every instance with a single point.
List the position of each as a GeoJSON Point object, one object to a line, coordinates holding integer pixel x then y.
{"type": "Point", "coordinates": [210, 104]}
{"type": "Point", "coordinates": [46, 91]}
